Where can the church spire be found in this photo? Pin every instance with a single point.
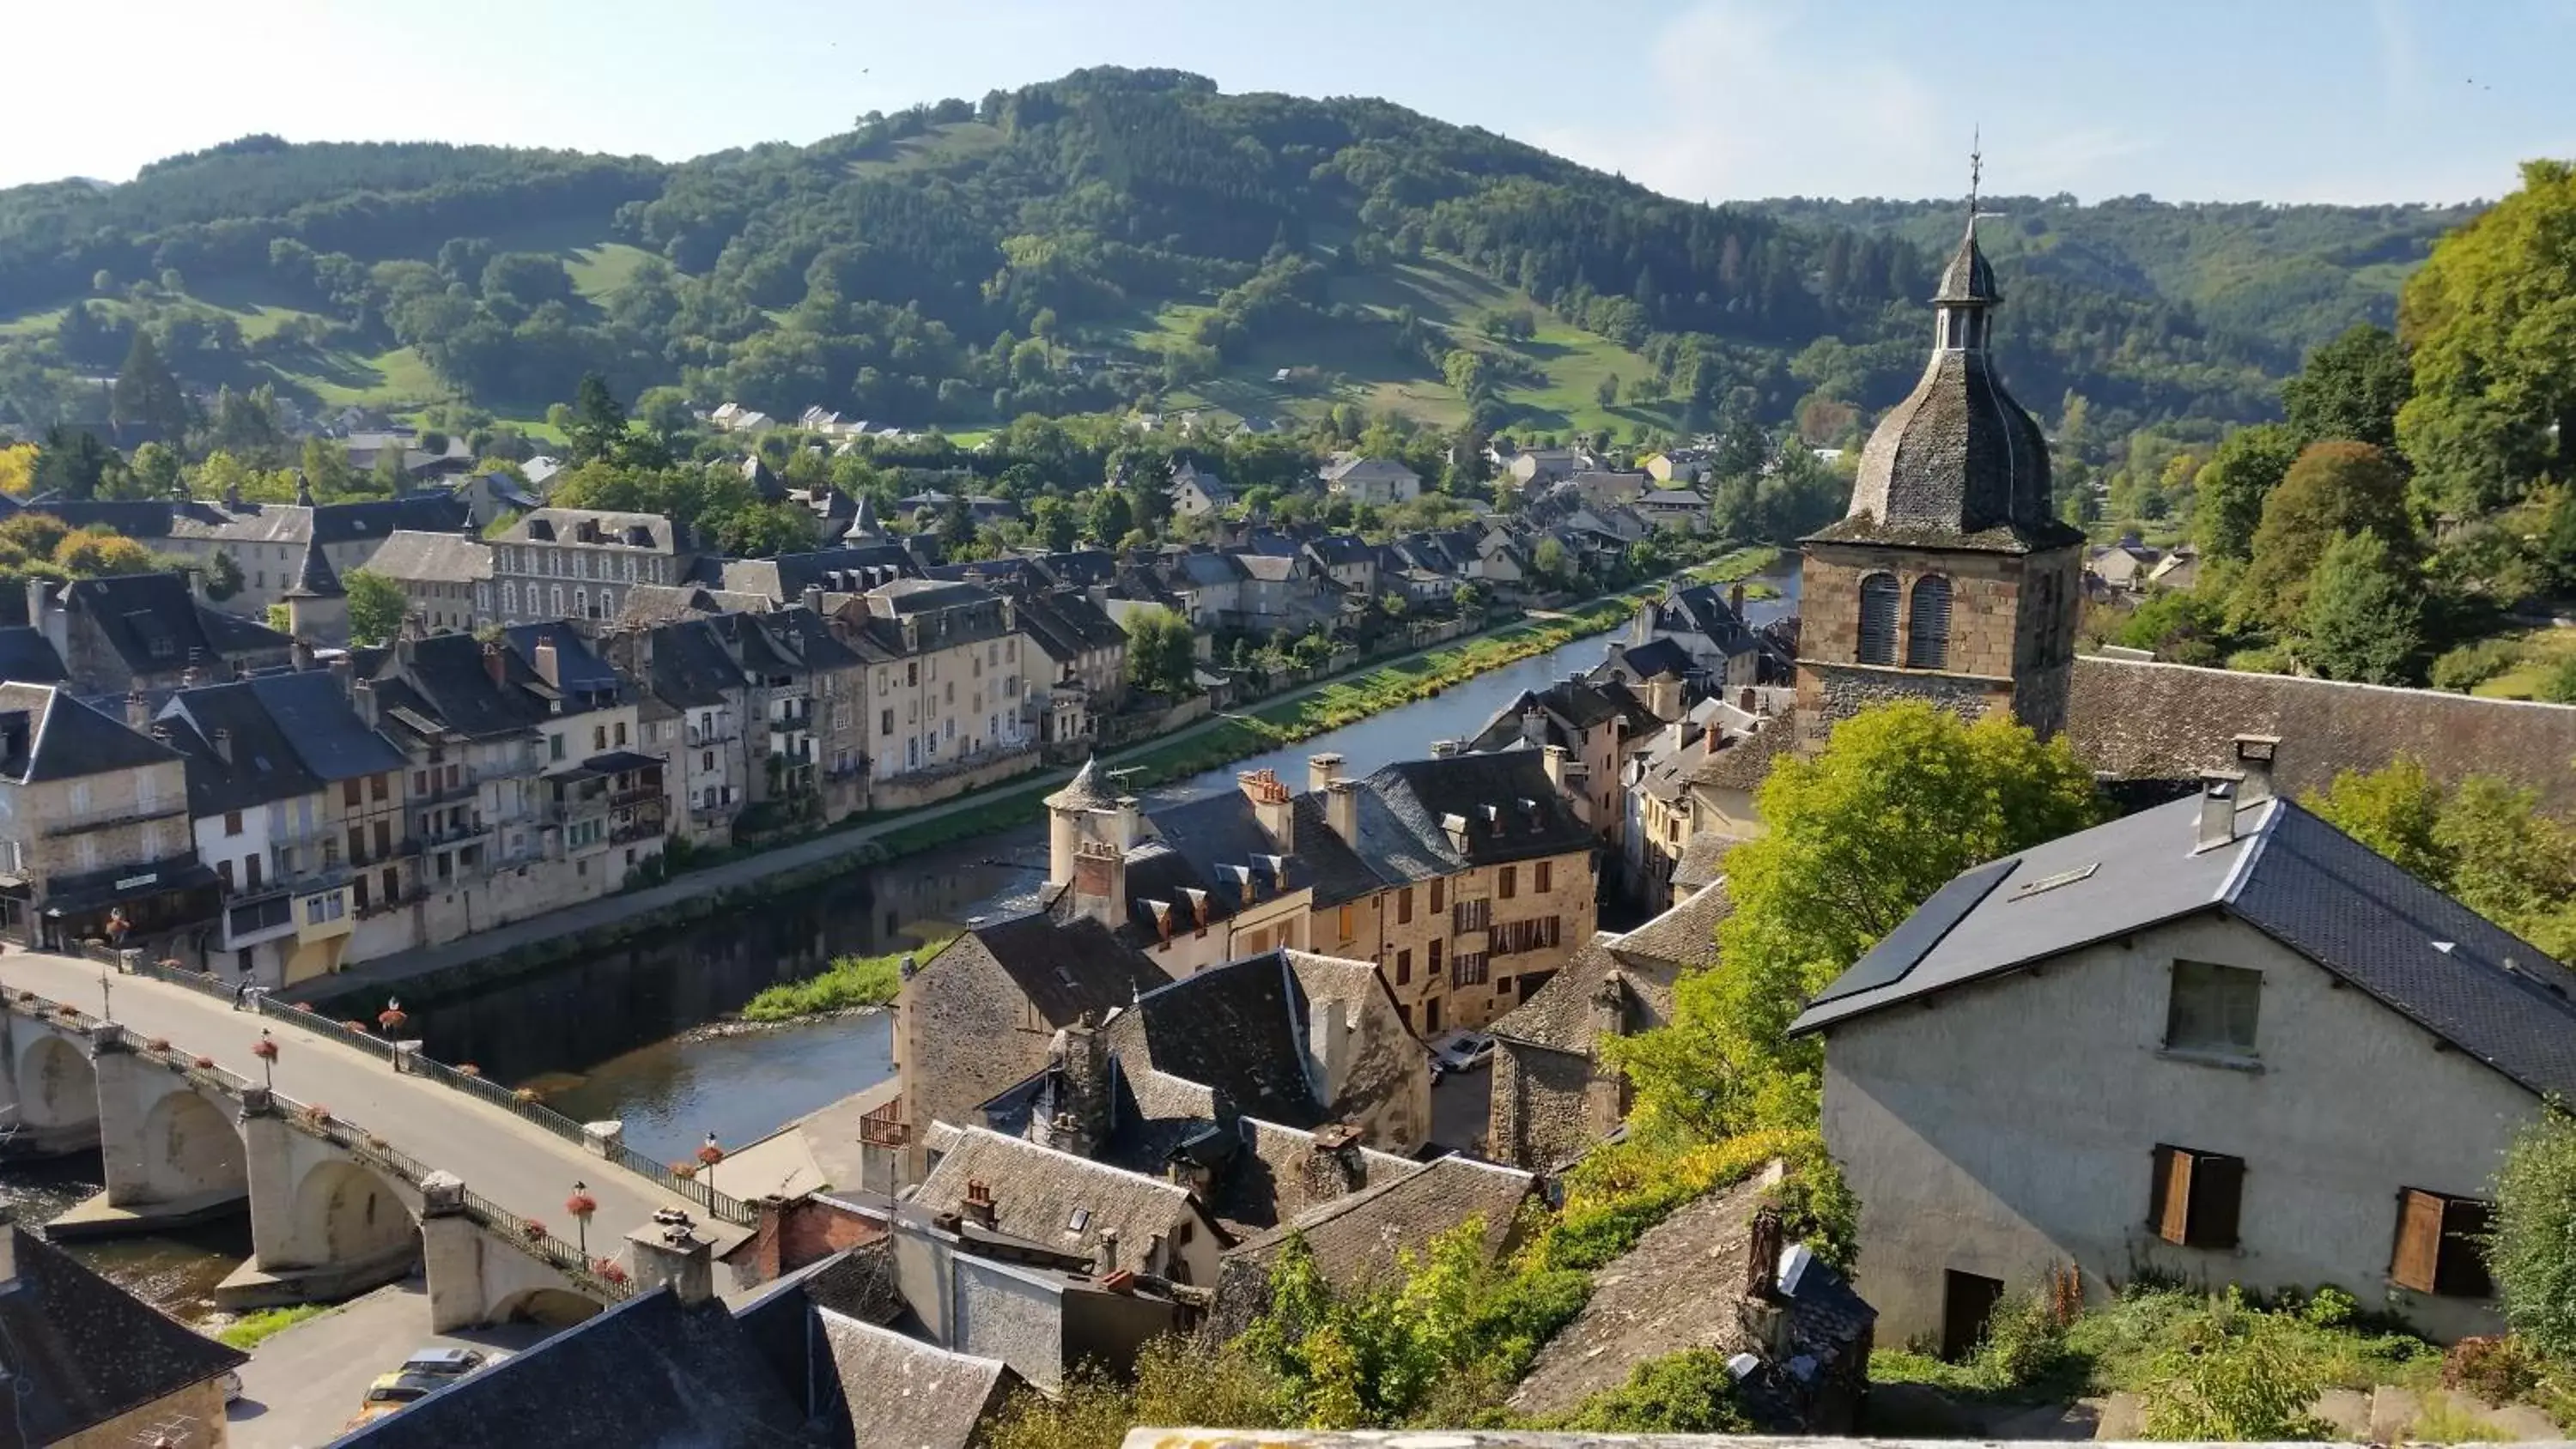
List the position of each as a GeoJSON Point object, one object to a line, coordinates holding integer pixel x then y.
{"type": "Point", "coordinates": [1968, 284]}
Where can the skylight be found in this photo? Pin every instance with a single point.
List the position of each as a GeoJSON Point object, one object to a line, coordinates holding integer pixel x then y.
{"type": "Point", "coordinates": [2049, 883]}
{"type": "Point", "coordinates": [1080, 1220]}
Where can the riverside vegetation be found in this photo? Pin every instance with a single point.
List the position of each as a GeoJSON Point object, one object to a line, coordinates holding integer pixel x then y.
{"type": "Point", "coordinates": [850, 983]}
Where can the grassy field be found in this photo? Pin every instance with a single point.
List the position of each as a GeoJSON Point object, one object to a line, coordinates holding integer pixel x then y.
{"type": "Point", "coordinates": [2541, 651]}
{"type": "Point", "coordinates": [849, 982]}
{"type": "Point", "coordinates": [600, 271]}
{"type": "Point", "coordinates": [248, 1331]}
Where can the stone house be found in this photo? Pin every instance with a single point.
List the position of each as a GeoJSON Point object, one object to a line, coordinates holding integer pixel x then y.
{"type": "Point", "coordinates": [1586, 733]}
{"type": "Point", "coordinates": [1348, 560]}
{"type": "Point", "coordinates": [267, 541]}
{"type": "Point", "coordinates": [1675, 508]}
{"type": "Point", "coordinates": [1196, 492]}
{"type": "Point", "coordinates": [1189, 886]}
{"type": "Point", "coordinates": [1087, 654]}
{"type": "Point", "coordinates": [578, 563]}
{"type": "Point", "coordinates": [1553, 1097]}
{"type": "Point", "coordinates": [93, 826]}
{"type": "Point", "coordinates": [685, 668]}
{"type": "Point", "coordinates": [978, 1017]}
{"type": "Point", "coordinates": [1467, 878]}
{"type": "Point", "coordinates": [1361, 1238]}
{"type": "Point", "coordinates": [1070, 1204]}
{"type": "Point", "coordinates": [91, 1366]}
{"type": "Point", "coordinates": [147, 632]}
{"type": "Point", "coordinates": [948, 670]}
{"type": "Point", "coordinates": [1725, 651]}
{"type": "Point", "coordinates": [445, 578]}
{"type": "Point", "coordinates": [2271, 1058]}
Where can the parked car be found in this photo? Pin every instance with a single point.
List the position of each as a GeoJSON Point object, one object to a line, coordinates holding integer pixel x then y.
{"type": "Point", "coordinates": [391, 1393]}
{"type": "Point", "coordinates": [232, 1386]}
{"type": "Point", "coordinates": [445, 1363]}
{"type": "Point", "coordinates": [1460, 1051]}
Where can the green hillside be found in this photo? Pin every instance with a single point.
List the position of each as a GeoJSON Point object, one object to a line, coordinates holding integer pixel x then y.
{"type": "Point", "coordinates": [1120, 237]}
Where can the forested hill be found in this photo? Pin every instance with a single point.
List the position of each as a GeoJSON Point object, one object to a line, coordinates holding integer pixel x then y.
{"type": "Point", "coordinates": [1118, 236]}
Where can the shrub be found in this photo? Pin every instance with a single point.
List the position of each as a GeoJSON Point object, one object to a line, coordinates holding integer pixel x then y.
{"type": "Point", "coordinates": [2232, 1375]}
{"type": "Point", "coordinates": [2024, 1341]}
{"type": "Point", "coordinates": [2471, 665]}
{"type": "Point", "coordinates": [1689, 1392]}
{"type": "Point", "coordinates": [2532, 1255]}
{"type": "Point", "coordinates": [2262, 661]}
{"type": "Point", "coordinates": [524, 1095]}
{"type": "Point", "coordinates": [2331, 1308]}
{"type": "Point", "coordinates": [2558, 686]}
{"type": "Point", "coordinates": [2496, 1369]}
{"type": "Point", "coordinates": [468, 1069]}
{"type": "Point", "coordinates": [849, 982]}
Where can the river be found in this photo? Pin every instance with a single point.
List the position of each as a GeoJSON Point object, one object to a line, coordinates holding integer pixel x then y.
{"type": "Point", "coordinates": [610, 1034]}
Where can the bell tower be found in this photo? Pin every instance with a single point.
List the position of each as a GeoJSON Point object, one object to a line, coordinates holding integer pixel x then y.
{"type": "Point", "coordinates": [1950, 579]}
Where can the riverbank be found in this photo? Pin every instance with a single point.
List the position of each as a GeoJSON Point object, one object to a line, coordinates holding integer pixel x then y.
{"type": "Point", "coordinates": [594, 926]}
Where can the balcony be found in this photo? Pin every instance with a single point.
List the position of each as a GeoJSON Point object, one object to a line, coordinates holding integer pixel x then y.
{"type": "Point", "coordinates": [722, 732]}
{"type": "Point", "coordinates": [133, 814]}
{"type": "Point", "coordinates": [464, 789]}
{"type": "Point", "coordinates": [640, 795]}
{"type": "Point", "coordinates": [640, 830]}
{"type": "Point", "coordinates": [447, 835]}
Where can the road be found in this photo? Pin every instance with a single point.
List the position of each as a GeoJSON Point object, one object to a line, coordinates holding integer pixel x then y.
{"type": "Point", "coordinates": [500, 1155]}
{"type": "Point", "coordinates": [302, 1384]}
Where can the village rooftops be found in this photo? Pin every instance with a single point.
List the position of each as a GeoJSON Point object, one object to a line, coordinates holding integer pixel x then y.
{"type": "Point", "coordinates": [81, 1352]}
{"type": "Point", "coordinates": [1421, 819]}
{"type": "Point", "coordinates": [156, 626]}
{"type": "Point", "coordinates": [1056, 1200]}
{"type": "Point", "coordinates": [444, 558]}
{"type": "Point", "coordinates": [2273, 865]}
{"type": "Point", "coordinates": [903, 1393]}
{"type": "Point", "coordinates": [599, 528]}
{"type": "Point", "coordinates": [46, 734]}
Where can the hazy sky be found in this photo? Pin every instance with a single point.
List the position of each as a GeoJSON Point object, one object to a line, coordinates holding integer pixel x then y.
{"type": "Point", "coordinates": [2273, 99]}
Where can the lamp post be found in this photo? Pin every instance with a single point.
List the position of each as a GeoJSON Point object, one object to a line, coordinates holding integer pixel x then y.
{"type": "Point", "coordinates": [581, 1205]}
{"type": "Point", "coordinates": [709, 1154]}
{"type": "Point", "coordinates": [106, 996]}
{"type": "Point", "coordinates": [266, 1050]}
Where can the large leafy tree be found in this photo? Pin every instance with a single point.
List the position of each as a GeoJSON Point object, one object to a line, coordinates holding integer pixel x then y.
{"type": "Point", "coordinates": [2334, 488]}
{"type": "Point", "coordinates": [148, 393]}
{"type": "Point", "coordinates": [2231, 488]}
{"type": "Point", "coordinates": [2364, 618]}
{"type": "Point", "coordinates": [2483, 841]}
{"type": "Point", "coordinates": [1160, 652]}
{"type": "Point", "coordinates": [2351, 389]}
{"type": "Point", "coordinates": [2491, 321]}
{"type": "Point", "coordinates": [1902, 798]}
{"type": "Point", "coordinates": [375, 607]}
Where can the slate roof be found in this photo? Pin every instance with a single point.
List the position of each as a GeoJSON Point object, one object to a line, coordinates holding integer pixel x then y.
{"type": "Point", "coordinates": [1237, 1029]}
{"type": "Point", "coordinates": [1065, 623]}
{"type": "Point", "coordinates": [2288, 874]}
{"type": "Point", "coordinates": [651, 1372]}
{"type": "Point", "coordinates": [1655, 657]}
{"type": "Point", "coordinates": [446, 558]}
{"type": "Point", "coordinates": [1403, 806]}
{"type": "Point", "coordinates": [1359, 1238]}
{"type": "Point", "coordinates": [1038, 1194]}
{"type": "Point", "coordinates": [1084, 791]}
{"type": "Point", "coordinates": [1215, 846]}
{"type": "Point", "coordinates": [28, 657]}
{"type": "Point", "coordinates": [80, 1351]}
{"type": "Point", "coordinates": [1065, 968]}
{"type": "Point", "coordinates": [691, 666]}
{"type": "Point", "coordinates": [264, 766]}
{"type": "Point", "coordinates": [447, 687]}
{"type": "Point", "coordinates": [650, 531]}
{"type": "Point", "coordinates": [785, 578]}
{"type": "Point", "coordinates": [321, 726]}
{"type": "Point", "coordinates": [155, 625]}
{"type": "Point", "coordinates": [903, 1393]}
{"type": "Point", "coordinates": [915, 596]}
{"type": "Point", "coordinates": [1702, 855]}
{"type": "Point", "coordinates": [67, 739]}
{"type": "Point", "coordinates": [581, 675]}
{"type": "Point", "coordinates": [1334, 869]}
{"type": "Point", "coordinates": [1684, 936]}
{"type": "Point", "coordinates": [1958, 463]}
{"type": "Point", "coordinates": [315, 578]}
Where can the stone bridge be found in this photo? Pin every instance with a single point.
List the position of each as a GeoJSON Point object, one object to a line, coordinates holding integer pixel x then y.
{"type": "Point", "coordinates": [408, 1173]}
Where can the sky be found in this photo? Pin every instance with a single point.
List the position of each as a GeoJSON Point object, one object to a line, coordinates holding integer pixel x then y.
{"type": "Point", "coordinates": [2277, 100]}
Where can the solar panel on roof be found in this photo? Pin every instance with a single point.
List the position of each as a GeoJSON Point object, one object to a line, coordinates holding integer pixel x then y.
{"type": "Point", "coordinates": [1905, 947]}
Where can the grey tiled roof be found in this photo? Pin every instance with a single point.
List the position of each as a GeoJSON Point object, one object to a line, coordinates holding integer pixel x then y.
{"type": "Point", "coordinates": [156, 626]}
{"type": "Point", "coordinates": [1403, 807]}
{"type": "Point", "coordinates": [1685, 936]}
{"type": "Point", "coordinates": [28, 657]}
{"type": "Point", "coordinates": [1360, 1238]}
{"type": "Point", "coordinates": [1039, 1194]}
{"type": "Point", "coordinates": [80, 1351]}
{"type": "Point", "coordinates": [446, 558]}
{"type": "Point", "coordinates": [2290, 875]}
{"type": "Point", "coordinates": [67, 739]}
{"type": "Point", "coordinates": [1065, 968]}
{"type": "Point", "coordinates": [903, 1393]}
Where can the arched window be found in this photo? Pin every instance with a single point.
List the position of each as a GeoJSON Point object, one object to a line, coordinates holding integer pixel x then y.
{"type": "Point", "coordinates": [1878, 619]}
{"type": "Point", "coordinates": [1927, 635]}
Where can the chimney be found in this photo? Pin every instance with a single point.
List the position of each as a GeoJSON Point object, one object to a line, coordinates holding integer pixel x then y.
{"type": "Point", "coordinates": [1342, 810]}
{"type": "Point", "coordinates": [813, 597]}
{"type": "Point", "coordinates": [1762, 1257]}
{"type": "Point", "coordinates": [668, 1252]}
{"type": "Point", "coordinates": [1735, 600]}
{"type": "Point", "coordinates": [1328, 1046]}
{"type": "Point", "coordinates": [2218, 789]}
{"type": "Point", "coordinates": [1077, 1084]}
{"type": "Point", "coordinates": [1609, 1007]}
{"type": "Point", "coordinates": [1534, 725]}
{"type": "Point", "coordinates": [1105, 1260]}
{"type": "Point", "coordinates": [1716, 734]}
{"type": "Point", "coordinates": [1272, 806]}
{"type": "Point", "coordinates": [344, 673]}
{"type": "Point", "coordinates": [495, 663]}
{"type": "Point", "coordinates": [1443, 749]}
{"type": "Point", "coordinates": [548, 663]}
{"type": "Point", "coordinates": [1554, 756]}
{"type": "Point", "coordinates": [1100, 882]}
{"type": "Point", "coordinates": [1322, 770]}
{"type": "Point", "coordinates": [978, 1207]}
{"type": "Point", "coordinates": [1334, 1166]}
{"type": "Point", "coordinates": [138, 711]}
{"type": "Point", "coordinates": [362, 699]}
{"type": "Point", "coordinates": [1664, 697]}
{"type": "Point", "coordinates": [223, 743]}
{"type": "Point", "coordinates": [1124, 822]}
{"type": "Point", "coordinates": [300, 653]}
{"type": "Point", "coordinates": [2255, 755]}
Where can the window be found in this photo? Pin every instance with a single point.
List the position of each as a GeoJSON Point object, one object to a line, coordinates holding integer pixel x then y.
{"type": "Point", "coordinates": [1878, 619]}
{"type": "Point", "coordinates": [1437, 888]}
{"type": "Point", "coordinates": [1436, 948]}
{"type": "Point", "coordinates": [621, 734]}
{"type": "Point", "coordinates": [1349, 922]}
{"type": "Point", "coordinates": [357, 846]}
{"type": "Point", "coordinates": [1543, 876]}
{"type": "Point", "coordinates": [1467, 970]}
{"type": "Point", "coordinates": [380, 786]}
{"type": "Point", "coordinates": [250, 872]}
{"type": "Point", "coordinates": [349, 789]}
{"type": "Point", "coordinates": [554, 747]}
{"type": "Point", "coordinates": [599, 737]}
{"type": "Point", "coordinates": [1511, 881]}
{"type": "Point", "coordinates": [1927, 636]}
{"type": "Point", "coordinates": [1404, 968]}
{"type": "Point", "coordinates": [358, 894]}
{"type": "Point", "coordinates": [2212, 1009]}
{"type": "Point", "coordinates": [232, 822]}
{"type": "Point", "coordinates": [385, 835]}
{"type": "Point", "coordinates": [1514, 937]}
{"type": "Point", "coordinates": [224, 873]}
{"type": "Point", "coordinates": [1403, 907]}
{"type": "Point", "coordinates": [1471, 916]}
{"type": "Point", "coordinates": [2194, 1199]}
{"type": "Point", "coordinates": [393, 889]}
{"type": "Point", "coordinates": [2438, 1239]}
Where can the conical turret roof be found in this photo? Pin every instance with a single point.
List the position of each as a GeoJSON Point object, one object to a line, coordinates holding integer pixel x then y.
{"type": "Point", "coordinates": [1970, 278]}
{"type": "Point", "coordinates": [316, 579]}
{"type": "Point", "coordinates": [1083, 791]}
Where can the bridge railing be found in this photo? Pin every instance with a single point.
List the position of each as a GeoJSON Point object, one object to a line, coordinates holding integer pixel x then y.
{"type": "Point", "coordinates": [695, 1189]}
{"type": "Point", "coordinates": [533, 1239]}
{"type": "Point", "coordinates": [320, 1025]}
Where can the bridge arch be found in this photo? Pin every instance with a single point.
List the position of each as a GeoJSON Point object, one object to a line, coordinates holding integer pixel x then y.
{"type": "Point", "coordinates": [346, 1214]}
{"type": "Point", "coordinates": [552, 1307]}
{"type": "Point", "coordinates": [57, 1086]}
{"type": "Point", "coordinates": [192, 1146]}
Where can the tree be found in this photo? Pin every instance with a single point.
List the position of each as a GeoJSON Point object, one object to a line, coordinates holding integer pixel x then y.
{"type": "Point", "coordinates": [1607, 394]}
{"type": "Point", "coordinates": [73, 463]}
{"type": "Point", "coordinates": [17, 469]}
{"type": "Point", "coordinates": [598, 426]}
{"type": "Point", "coordinates": [1161, 652]}
{"type": "Point", "coordinates": [1052, 523]}
{"type": "Point", "coordinates": [2364, 618]}
{"type": "Point", "coordinates": [521, 282]}
{"type": "Point", "coordinates": [2351, 389]}
{"type": "Point", "coordinates": [666, 411]}
{"type": "Point", "coordinates": [147, 393]}
{"type": "Point", "coordinates": [2333, 488]}
{"type": "Point", "coordinates": [154, 472]}
{"type": "Point", "coordinates": [2488, 323]}
{"type": "Point", "coordinates": [956, 523]}
{"type": "Point", "coordinates": [2483, 842]}
{"type": "Point", "coordinates": [2181, 625]}
{"type": "Point", "coordinates": [223, 577]}
{"type": "Point", "coordinates": [91, 553]}
{"type": "Point", "coordinates": [2231, 488]}
{"type": "Point", "coordinates": [2532, 1256]}
{"type": "Point", "coordinates": [762, 530]}
{"type": "Point", "coordinates": [1110, 519]}
{"type": "Point", "coordinates": [1901, 799]}
{"type": "Point", "coordinates": [1551, 561]}
{"type": "Point", "coordinates": [376, 607]}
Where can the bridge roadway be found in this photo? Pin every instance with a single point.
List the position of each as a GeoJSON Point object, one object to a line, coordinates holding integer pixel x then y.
{"type": "Point", "coordinates": [501, 1156]}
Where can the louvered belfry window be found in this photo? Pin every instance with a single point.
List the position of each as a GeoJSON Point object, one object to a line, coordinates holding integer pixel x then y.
{"type": "Point", "coordinates": [1927, 639]}
{"type": "Point", "coordinates": [1878, 619]}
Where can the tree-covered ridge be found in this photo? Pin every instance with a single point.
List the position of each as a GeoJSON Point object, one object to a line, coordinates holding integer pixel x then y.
{"type": "Point", "coordinates": [1117, 236]}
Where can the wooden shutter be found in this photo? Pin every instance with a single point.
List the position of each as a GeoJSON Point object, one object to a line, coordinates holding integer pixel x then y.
{"type": "Point", "coordinates": [2217, 1194]}
{"type": "Point", "coordinates": [2418, 1256]}
{"type": "Point", "coordinates": [2169, 1200]}
{"type": "Point", "coordinates": [1878, 598]}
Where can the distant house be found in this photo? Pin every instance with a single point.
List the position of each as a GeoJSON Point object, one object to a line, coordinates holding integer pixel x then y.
{"type": "Point", "coordinates": [735, 418]}
{"type": "Point", "coordinates": [147, 632]}
{"type": "Point", "coordinates": [1677, 466]}
{"type": "Point", "coordinates": [89, 1364]}
{"type": "Point", "coordinates": [1196, 492]}
{"type": "Point", "coordinates": [2123, 568]}
{"type": "Point", "coordinates": [1375, 481]}
{"type": "Point", "coordinates": [1678, 508]}
{"type": "Point", "coordinates": [2219, 1041]}
{"type": "Point", "coordinates": [445, 578]}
